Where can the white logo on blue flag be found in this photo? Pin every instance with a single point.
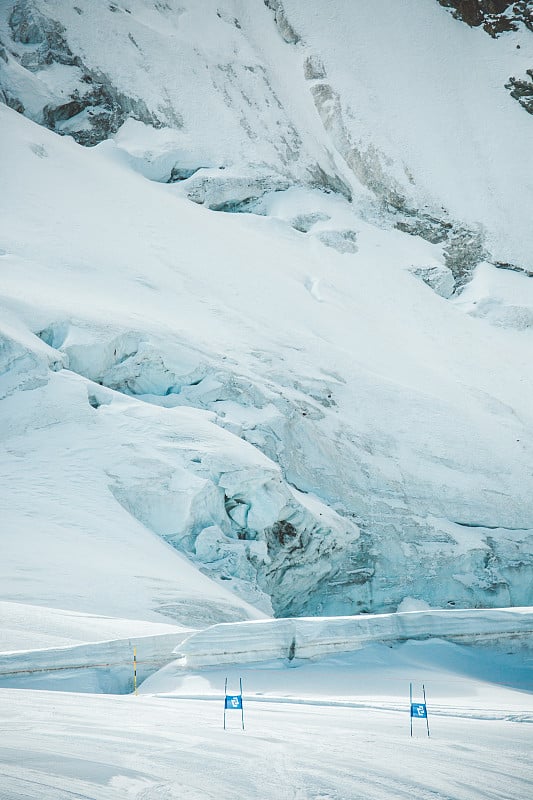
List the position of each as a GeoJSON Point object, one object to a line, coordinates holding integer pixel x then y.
{"type": "Point", "coordinates": [233, 701]}
{"type": "Point", "coordinates": [419, 710]}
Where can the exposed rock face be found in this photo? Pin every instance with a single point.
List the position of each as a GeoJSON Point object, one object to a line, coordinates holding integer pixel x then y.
{"type": "Point", "coordinates": [5, 95]}
{"type": "Point", "coordinates": [522, 90]}
{"type": "Point", "coordinates": [96, 109]}
{"type": "Point", "coordinates": [464, 250]}
{"type": "Point", "coordinates": [29, 26]}
{"type": "Point", "coordinates": [475, 12]}
{"type": "Point", "coordinates": [430, 228]}
{"type": "Point", "coordinates": [464, 247]}
{"type": "Point", "coordinates": [314, 69]}
{"type": "Point", "coordinates": [367, 164]}
{"type": "Point", "coordinates": [496, 16]}
{"type": "Point", "coordinates": [104, 108]}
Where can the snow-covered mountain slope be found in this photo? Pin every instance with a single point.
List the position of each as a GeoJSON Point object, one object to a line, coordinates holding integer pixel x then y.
{"type": "Point", "coordinates": [408, 97]}
{"type": "Point", "coordinates": [328, 724]}
{"type": "Point", "coordinates": [27, 627]}
{"type": "Point", "coordinates": [129, 304]}
{"type": "Point", "coordinates": [334, 729]}
{"type": "Point", "coordinates": [277, 395]}
{"type": "Point", "coordinates": [397, 105]}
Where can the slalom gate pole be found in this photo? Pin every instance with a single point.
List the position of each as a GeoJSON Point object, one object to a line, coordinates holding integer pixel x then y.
{"type": "Point", "coordinates": [242, 704]}
{"type": "Point", "coordinates": [411, 706]}
{"type": "Point", "coordinates": [427, 715]}
{"type": "Point", "coordinates": [225, 693]}
{"type": "Point", "coordinates": [135, 670]}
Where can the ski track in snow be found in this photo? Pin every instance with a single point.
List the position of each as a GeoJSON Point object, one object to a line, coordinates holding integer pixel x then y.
{"type": "Point", "coordinates": [146, 748]}
{"type": "Point", "coordinates": [335, 728]}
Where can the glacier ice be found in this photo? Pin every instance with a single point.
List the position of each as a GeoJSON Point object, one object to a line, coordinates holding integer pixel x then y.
{"type": "Point", "coordinates": [315, 429]}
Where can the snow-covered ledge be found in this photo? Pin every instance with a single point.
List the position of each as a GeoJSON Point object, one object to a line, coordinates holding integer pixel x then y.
{"type": "Point", "coordinates": [308, 637]}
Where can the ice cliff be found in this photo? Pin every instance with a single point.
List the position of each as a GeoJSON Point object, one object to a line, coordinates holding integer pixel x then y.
{"type": "Point", "coordinates": [266, 304]}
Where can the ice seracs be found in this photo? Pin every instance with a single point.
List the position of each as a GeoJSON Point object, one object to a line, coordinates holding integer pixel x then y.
{"type": "Point", "coordinates": [284, 394]}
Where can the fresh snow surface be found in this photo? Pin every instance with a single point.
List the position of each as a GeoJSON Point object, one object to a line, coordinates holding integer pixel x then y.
{"type": "Point", "coordinates": [394, 99]}
{"type": "Point", "coordinates": [417, 89]}
{"type": "Point", "coordinates": [26, 627]}
{"type": "Point", "coordinates": [337, 729]}
{"type": "Point", "coordinates": [502, 297]}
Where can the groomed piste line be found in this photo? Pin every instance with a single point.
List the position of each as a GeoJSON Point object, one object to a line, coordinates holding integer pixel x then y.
{"type": "Point", "coordinates": [435, 709]}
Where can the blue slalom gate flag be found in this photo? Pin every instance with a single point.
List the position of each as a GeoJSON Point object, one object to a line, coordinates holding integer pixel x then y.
{"type": "Point", "coordinates": [418, 710]}
{"type": "Point", "coordinates": [234, 701]}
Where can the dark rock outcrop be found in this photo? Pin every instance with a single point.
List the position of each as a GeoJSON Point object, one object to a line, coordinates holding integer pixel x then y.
{"type": "Point", "coordinates": [496, 16]}
{"type": "Point", "coordinates": [29, 26]}
{"type": "Point", "coordinates": [429, 228]}
{"type": "Point", "coordinates": [464, 247]}
{"type": "Point", "coordinates": [464, 250]}
{"type": "Point", "coordinates": [105, 108]}
{"type": "Point", "coordinates": [102, 106]}
{"type": "Point", "coordinates": [522, 90]}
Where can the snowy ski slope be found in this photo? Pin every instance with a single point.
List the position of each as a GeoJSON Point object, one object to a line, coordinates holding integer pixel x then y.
{"type": "Point", "coordinates": [265, 373]}
{"type": "Point", "coordinates": [333, 729]}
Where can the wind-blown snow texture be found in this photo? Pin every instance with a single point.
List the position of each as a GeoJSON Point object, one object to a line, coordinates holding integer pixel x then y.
{"type": "Point", "coordinates": [335, 728]}
{"type": "Point", "coordinates": [293, 398]}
